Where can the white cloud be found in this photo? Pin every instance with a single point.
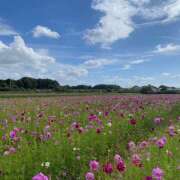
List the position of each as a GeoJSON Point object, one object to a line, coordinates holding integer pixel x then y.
{"type": "Point", "coordinates": [170, 75]}
{"type": "Point", "coordinates": [166, 74]}
{"type": "Point", "coordinates": [97, 63]}
{"type": "Point", "coordinates": [172, 9]}
{"type": "Point", "coordinates": [75, 72]}
{"type": "Point", "coordinates": [169, 48]}
{"type": "Point", "coordinates": [131, 81]}
{"type": "Point", "coordinates": [42, 31]}
{"type": "Point", "coordinates": [140, 2]}
{"type": "Point", "coordinates": [138, 61]}
{"type": "Point", "coordinates": [166, 11]}
{"type": "Point", "coordinates": [134, 62]}
{"type": "Point", "coordinates": [126, 67]}
{"type": "Point", "coordinates": [18, 60]}
{"type": "Point", "coordinates": [6, 30]}
{"type": "Point", "coordinates": [118, 18]}
{"type": "Point", "coordinates": [115, 24]}
{"type": "Point", "coordinates": [67, 74]}
{"type": "Point", "coordinates": [19, 54]}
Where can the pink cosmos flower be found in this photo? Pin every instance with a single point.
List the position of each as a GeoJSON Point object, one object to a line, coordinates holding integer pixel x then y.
{"type": "Point", "coordinates": [92, 117]}
{"type": "Point", "coordinates": [48, 135]}
{"type": "Point", "coordinates": [108, 168]}
{"type": "Point", "coordinates": [17, 129]}
{"type": "Point", "coordinates": [157, 173]}
{"type": "Point", "coordinates": [117, 158]}
{"type": "Point", "coordinates": [12, 150]}
{"type": "Point", "coordinates": [75, 125]}
{"type": "Point", "coordinates": [40, 176]}
{"type": "Point", "coordinates": [171, 130]}
{"type": "Point", "coordinates": [94, 165]}
{"type": "Point", "coordinates": [178, 118]}
{"type": "Point", "coordinates": [89, 176]}
{"type": "Point", "coordinates": [143, 144]}
{"type": "Point", "coordinates": [157, 120]}
{"type": "Point", "coordinates": [131, 146]}
{"type": "Point", "coordinates": [136, 160]}
{"type": "Point", "coordinates": [161, 142]}
{"type": "Point", "coordinates": [3, 138]}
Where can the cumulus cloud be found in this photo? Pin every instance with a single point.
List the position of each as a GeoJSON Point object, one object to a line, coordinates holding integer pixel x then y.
{"type": "Point", "coordinates": [172, 10]}
{"type": "Point", "coordinates": [115, 24]}
{"type": "Point", "coordinates": [19, 54]}
{"type": "Point", "coordinates": [118, 18]}
{"type": "Point", "coordinates": [18, 60]}
{"type": "Point", "coordinates": [169, 48]}
{"type": "Point", "coordinates": [42, 31]}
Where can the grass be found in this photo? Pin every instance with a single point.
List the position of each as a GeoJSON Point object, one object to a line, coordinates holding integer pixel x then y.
{"type": "Point", "coordinates": [69, 150]}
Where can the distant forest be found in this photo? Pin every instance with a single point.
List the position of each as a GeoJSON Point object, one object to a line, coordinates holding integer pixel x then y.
{"type": "Point", "coordinates": [39, 85]}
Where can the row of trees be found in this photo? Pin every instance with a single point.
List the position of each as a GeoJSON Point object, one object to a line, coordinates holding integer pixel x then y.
{"type": "Point", "coordinates": [27, 83]}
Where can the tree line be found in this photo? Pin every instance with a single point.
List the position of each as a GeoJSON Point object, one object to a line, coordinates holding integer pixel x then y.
{"type": "Point", "coordinates": [27, 83]}
{"type": "Point", "coordinates": [32, 84]}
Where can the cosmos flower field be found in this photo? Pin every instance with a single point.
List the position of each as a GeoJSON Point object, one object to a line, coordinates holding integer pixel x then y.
{"type": "Point", "coordinates": [90, 137]}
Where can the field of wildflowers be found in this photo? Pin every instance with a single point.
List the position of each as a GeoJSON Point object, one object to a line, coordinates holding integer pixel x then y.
{"type": "Point", "coordinates": [90, 137]}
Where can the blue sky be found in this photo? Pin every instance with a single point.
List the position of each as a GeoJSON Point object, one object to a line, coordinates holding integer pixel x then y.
{"type": "Point", "coordinates": [123, 42]}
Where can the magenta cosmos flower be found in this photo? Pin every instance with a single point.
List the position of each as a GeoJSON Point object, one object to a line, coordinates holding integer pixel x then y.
{"type": "Point", "coordinates": [94, 165]}
{"type": "Point", "coordinates": [148, 178]}
{"type": "Point", "coordinates": [40, 176]}
{"type": "Point", "coordinates": [12, 134]}
{"type": "Point", "coordinates": [121, 167]}
{"type": "Point", "coordinates": [157, 173]}
{"type": "Point", "coordinates": [108, 168]}
{"type": "Point", "coordinates": [106, 113]}
{"type": "Point", "coordinates": [132, 122]}
{"type": "Point", "coordinates": [89, 176]}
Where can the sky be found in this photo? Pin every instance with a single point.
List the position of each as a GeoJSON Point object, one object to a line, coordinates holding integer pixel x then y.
{"type": "Point", "coordinates": [123, 42]}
